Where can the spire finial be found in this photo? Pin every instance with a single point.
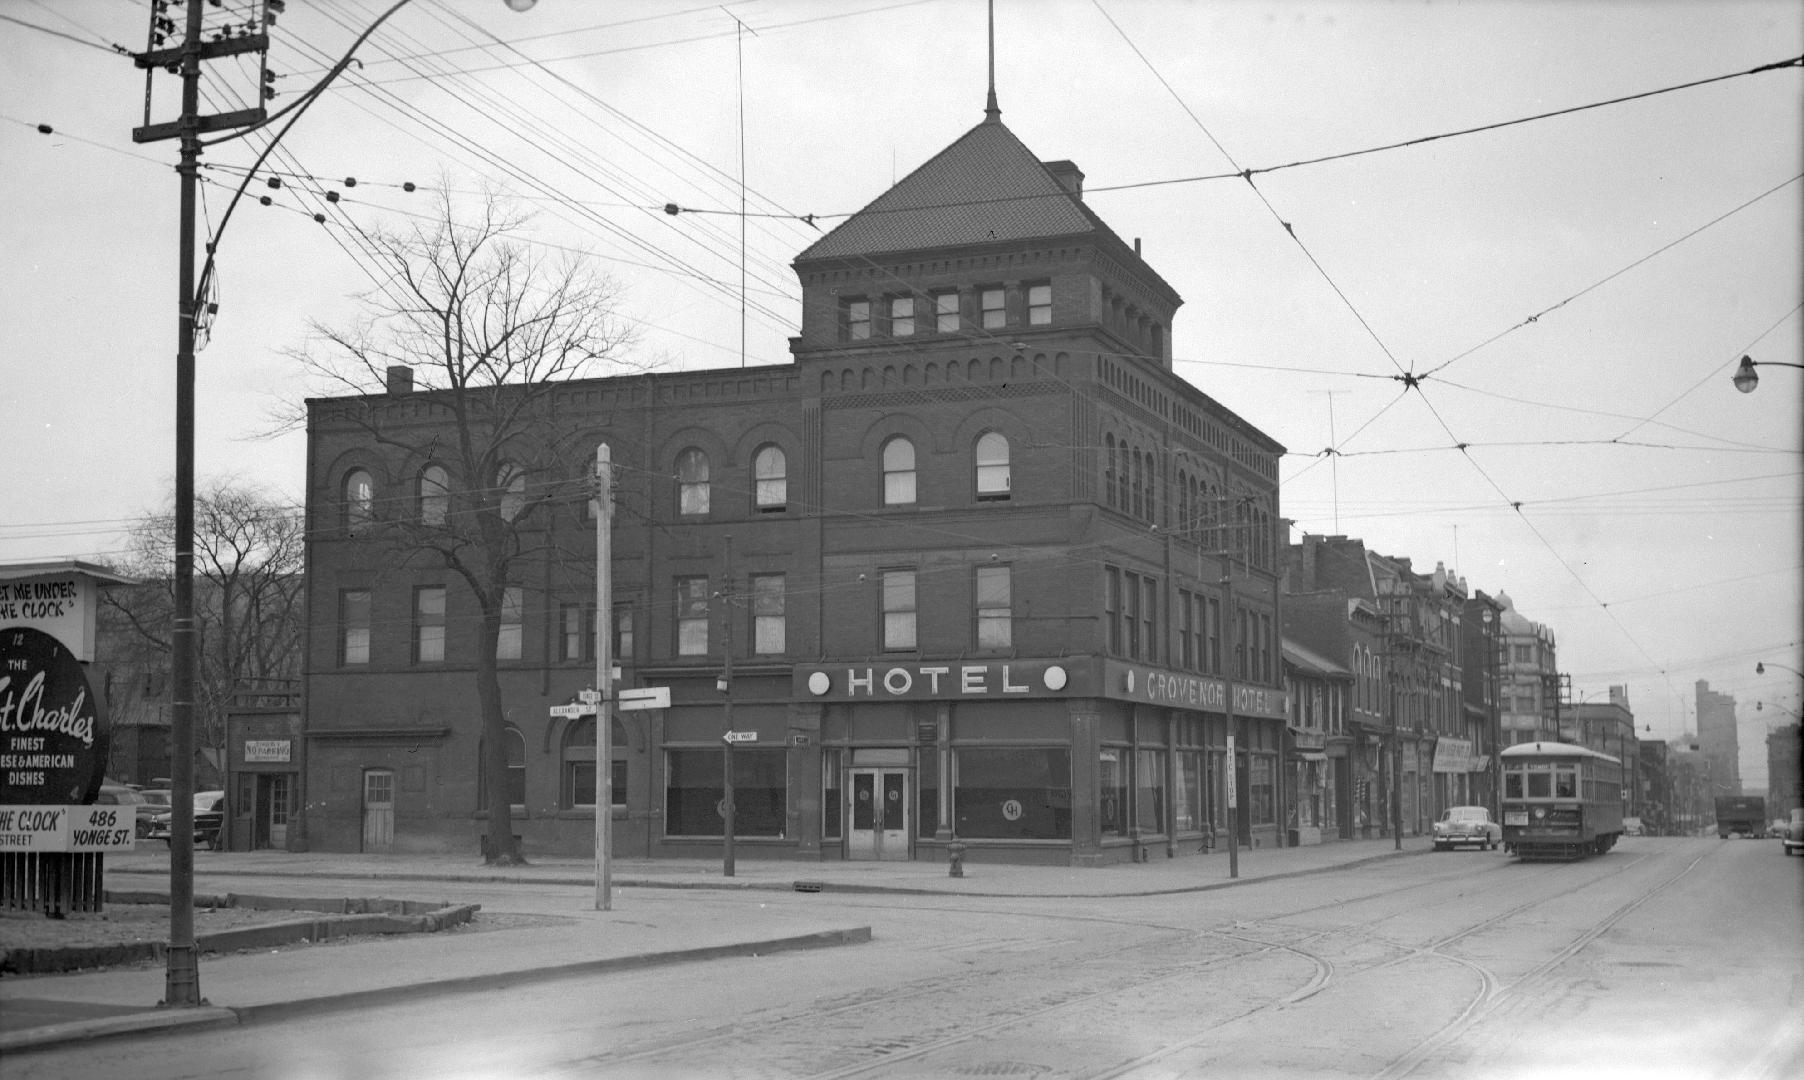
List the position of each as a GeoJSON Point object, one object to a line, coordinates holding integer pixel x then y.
{"type": "Point", "coordinates": [992, 113]}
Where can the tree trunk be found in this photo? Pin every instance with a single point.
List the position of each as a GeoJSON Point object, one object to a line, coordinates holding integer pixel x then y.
{"type": "Point", "coordinates": [501, 849]}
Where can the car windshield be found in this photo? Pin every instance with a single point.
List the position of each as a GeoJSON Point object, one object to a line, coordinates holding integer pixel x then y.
{"type": "Point", "coordinates": [155, 798]}
{"type": "Point", "coordinates": [1467, 813]}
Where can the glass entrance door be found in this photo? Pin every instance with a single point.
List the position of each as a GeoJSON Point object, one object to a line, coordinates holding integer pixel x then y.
{"type": "Point", "coordinates": [879, 813]}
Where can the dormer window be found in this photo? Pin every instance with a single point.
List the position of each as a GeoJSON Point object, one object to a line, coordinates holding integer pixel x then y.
{"type": "Point", "coordinates": [901, 316]}
{"type": "Point", "coordinates": [995, 314]}
{"type": "Point", "coordinates": [857, 318]}
{"type": "Point", "coordinates": [945, 312]}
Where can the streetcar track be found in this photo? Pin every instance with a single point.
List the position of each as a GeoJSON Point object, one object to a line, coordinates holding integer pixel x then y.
{"type": "Point", "coordinates": [1325, 974]}
{"type": "Point", "coordinates": [1488, 999]}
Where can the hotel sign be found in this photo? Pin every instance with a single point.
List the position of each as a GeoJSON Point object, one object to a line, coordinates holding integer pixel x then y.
{"type": "Point", "coordinates": [1183, 690]}
{"type": "Point", "coordinates": [927, 681]}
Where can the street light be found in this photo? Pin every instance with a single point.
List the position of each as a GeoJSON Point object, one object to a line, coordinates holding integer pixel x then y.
{"type": "Point", "coordinates": [1760, 669]}
{"type": "Point", "coordinates": [1745, 378]}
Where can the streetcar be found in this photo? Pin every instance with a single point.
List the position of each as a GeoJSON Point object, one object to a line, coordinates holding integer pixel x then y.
{"type": "Point", "coordinates": [1560, 801]}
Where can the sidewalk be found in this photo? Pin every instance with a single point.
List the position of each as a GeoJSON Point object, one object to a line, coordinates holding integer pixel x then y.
{"type": "Point", "coordinates": [639, 931]}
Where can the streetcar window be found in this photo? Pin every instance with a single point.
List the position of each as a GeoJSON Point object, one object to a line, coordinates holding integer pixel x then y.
{"type": "Point", "coordinates": [1540, 785]}
{"type": "Point", "coordinates": [1512, 785]}
{"type": "Point", "coordinates": [1566, 785]}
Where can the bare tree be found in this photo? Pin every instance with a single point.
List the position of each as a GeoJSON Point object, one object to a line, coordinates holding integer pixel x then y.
{"type": "Point", "coordinates": [491, 330]}
{"type": "Point", "coordinates": [248, 561]}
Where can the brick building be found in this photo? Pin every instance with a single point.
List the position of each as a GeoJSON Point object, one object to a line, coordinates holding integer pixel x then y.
{"type": "Point", "coordinates": [984, 567]}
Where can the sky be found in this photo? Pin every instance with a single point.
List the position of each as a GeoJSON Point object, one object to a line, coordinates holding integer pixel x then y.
{"type": "Point", "coordinates": [1567, 295]}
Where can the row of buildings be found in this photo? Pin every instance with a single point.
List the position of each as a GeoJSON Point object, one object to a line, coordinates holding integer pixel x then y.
{"type": "Point", "coordinates": [975, 565]}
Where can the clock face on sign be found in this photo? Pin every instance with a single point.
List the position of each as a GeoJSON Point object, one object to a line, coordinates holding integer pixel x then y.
{"type": "Point", "coordinates": [53, 738]}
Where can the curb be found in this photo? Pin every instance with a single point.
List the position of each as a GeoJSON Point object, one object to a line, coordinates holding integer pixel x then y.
{"type": "Point", "coordinates": [823, 886]}
{"type": "Point", "coordinates": [151, 1023]}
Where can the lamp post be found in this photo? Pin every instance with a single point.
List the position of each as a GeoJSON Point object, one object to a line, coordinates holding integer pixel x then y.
{"type": "Point", "coordinates": [1760, 669]}
{"type": "Point", "coordinates": [1746, 379]}
{"type": "Point", "coordinates": [1494, 719]}
{"type": "Point", "coordinates": [182, 979]}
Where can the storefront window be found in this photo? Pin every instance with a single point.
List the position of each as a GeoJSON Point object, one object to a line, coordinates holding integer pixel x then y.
{"type": "Point", "coordinates": [1017, 793]}
{"type": "Point", "coordinates": [694, 792]}
{"type": "Point", "coordinates": [1112, 785]}
{"type": "Point", "coordinates": [1149, 784]}
{"type": "Point", "coordinates": [1259, 790]}
{"type": "Point", "coordinates": [1187, 800]}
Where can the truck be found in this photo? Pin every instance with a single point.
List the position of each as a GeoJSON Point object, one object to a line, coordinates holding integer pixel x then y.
{"type": "Point", "coordinates": [1744, 814]}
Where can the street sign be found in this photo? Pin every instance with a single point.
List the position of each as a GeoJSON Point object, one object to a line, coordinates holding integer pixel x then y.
{"type": "Point", "coordinates": [741, 736]}
{"type": "Point", "coordinates": [1233, 782]}
{"type": "Point", "coordinates": [588, 697]}
{"type": "Point", "coordinates": [643, 697]}
{"type": "Point", "coordinates": [573, 711]}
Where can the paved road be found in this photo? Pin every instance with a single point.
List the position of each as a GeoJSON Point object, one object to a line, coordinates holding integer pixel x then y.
{"type": "Point", "coordinates": [1664, 958]}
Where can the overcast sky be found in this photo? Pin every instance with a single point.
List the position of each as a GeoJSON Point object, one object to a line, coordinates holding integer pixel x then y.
{"type": "Point", "coordinates": [1577, 289]}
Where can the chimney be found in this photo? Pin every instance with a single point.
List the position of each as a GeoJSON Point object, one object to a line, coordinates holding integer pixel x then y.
{"type": "Point", "coordinates": [400, 380]}
{"type": "Point", "coordinates": [1069, 176]}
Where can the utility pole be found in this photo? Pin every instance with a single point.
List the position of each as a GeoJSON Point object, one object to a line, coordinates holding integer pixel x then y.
{"type": "Point", "coordinates": [182, 979]}
{"type": "Point", "coordinates": [726, 743]}
{"type": "Point", "coordinates": [603, 501]}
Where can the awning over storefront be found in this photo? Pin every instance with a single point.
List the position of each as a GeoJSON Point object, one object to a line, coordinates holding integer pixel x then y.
{"type": "Point", "coordinates": [1310, 755]}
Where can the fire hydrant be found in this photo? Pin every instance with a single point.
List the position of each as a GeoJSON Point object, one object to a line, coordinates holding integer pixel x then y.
{"type": "Point", "coordinates": [955, 852]}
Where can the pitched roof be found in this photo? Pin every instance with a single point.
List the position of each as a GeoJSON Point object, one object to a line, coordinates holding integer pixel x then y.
{"type": "Point", "coordinates": [984, 188]}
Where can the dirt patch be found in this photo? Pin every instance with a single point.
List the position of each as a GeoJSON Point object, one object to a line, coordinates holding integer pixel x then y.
{"type": "Point", "coordinates": [132, 924]}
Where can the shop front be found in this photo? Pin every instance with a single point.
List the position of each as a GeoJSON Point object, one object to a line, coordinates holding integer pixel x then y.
{"type": "Point", "coordinates": [1066, 761]}
{"type": "Point", "coordinates": [263, 780]}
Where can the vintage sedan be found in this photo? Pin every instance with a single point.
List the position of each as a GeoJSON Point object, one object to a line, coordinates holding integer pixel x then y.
{"type": "Point", "coordinates": [1466, 825]}
{"type": "Point", "coordinates": [209, 816]}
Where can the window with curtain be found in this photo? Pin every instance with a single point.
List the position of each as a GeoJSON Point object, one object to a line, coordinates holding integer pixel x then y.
{"type": "Point", "coordinates": [945, 312]}
{"type": "Point", "coordinates": [992, 466]}
{"type": "Point", "coordinates": [995, 615]}
{"type": "Point", "coordinates": [513, 624]}
{"type": "Point", "coordinates": [901, 316]}
{"type": "Point", "coordinates": [434, 495]}
{"type": "Point", "coordinates": [358, 499]}
{"type": "Point", "coordinates": [898, 609]}
{"type": "Point", "coordinates": [768, 618]}
{"type": "Point", "coordinates": [692, 482]}
{"type": "Point", "coordinates": [429, 624]}
{"type": "Point", "coordinates": [354, 626]}
{"type": "Point", "coordinates": [1039, 304]}
{"type": "Point", "coordinates": [692, 616]}
{"type": "Point", "coordinates": [995, 314]}
{"type": "Point", "coordinates": [898, 472]}
{"type": "Point", "coordinates": [770, 479]}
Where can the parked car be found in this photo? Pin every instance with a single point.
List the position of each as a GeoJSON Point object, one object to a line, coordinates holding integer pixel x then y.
{"type": "Point", "coordinates": [1793, 837]}
{"type": "Point", "coordinates": [1466, 825]}
{"type": "Point", "coordinates": [155, 801]}
{"type": "Point", "coordinates": [209, 818]}
{"type": "Point", "coordinates": [113, 793]}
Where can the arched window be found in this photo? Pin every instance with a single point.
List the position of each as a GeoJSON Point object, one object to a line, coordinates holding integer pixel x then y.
{"type": "Point", "coordinates": [992, 466]}
{"type": "Point", "coordinates": [1138, 486]}
{"type": "Point", "coordinates": [434, 495]}
{"type": "Point", "coordinates": [515, 748]}
{"type": "Point", "coordinates": [358, 498]}
{"type": "Point", "coordinates": [1108, 470]}
{"type": "Point", "coordinates": [898, 472]}
{"type": "Point", "coordinates": [692, 482]}
{"type": "Point", "coordinates": [510, 479]}
{"type": "Point", "coordinates": [770, 478]}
